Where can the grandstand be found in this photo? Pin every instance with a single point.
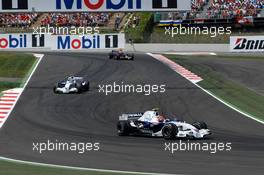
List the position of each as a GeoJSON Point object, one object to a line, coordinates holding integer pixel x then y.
{"type": "Point", "coordinates": [219, 9]}
{"type": "Point", "coordinates": [23, 20]}
{"type": "Point", "coordinates": [75, 19]}
{"type": "Point", "coordinates": [203, 12]}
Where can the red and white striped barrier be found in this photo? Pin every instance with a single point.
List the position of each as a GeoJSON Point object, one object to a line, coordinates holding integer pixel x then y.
{"type": "Point", "coordinates": [7, 103]}
{"type": "Point", "coordinates": [178, 68]}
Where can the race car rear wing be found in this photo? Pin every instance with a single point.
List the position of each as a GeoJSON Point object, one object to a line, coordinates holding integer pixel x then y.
{"type": "Point", "coordinates": [130, 116]}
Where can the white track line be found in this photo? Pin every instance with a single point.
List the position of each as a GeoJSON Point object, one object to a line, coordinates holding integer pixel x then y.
{"type": "Point", "coordinates": [171, 64]}
{"type": "Point", "coordinates": [79, 168]}
{"type": "Point", "coordinates": [12, 96]}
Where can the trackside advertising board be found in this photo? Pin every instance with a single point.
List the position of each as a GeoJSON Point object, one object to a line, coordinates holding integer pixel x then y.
{"type": "Point", "coordinates": [247, 44]}
{"type": "Point", "coordinates": [62, 42]}
{"type": "Point", "coordinates": [93, 5]}
{"type": "Point", "coordinates": [23, 41]}
{"type": "Point", "coordinates": [87, 42]}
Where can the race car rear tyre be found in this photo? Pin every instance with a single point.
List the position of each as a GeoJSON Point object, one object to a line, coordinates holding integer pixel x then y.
{"type": "Point", "coordinates": [55, 90]}
{"type": "Point", "coordinates": [123, 128]}
{"type": "Point", "coordinates": [169, 131]}
{"type": "Point", "coordinates": [200, 125]}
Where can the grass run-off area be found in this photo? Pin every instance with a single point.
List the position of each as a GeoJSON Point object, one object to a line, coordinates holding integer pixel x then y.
{"type": "Point", "coordinates": [14, 67]}
{"type": "Point", "coordinates": [234, 93]}
{"type": "Point", "coordinates": [11, 168]}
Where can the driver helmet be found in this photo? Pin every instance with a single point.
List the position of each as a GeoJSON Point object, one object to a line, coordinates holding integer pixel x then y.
{"type": "Point", "coordinates": [71, 79]}
{"type": "Point", "coordinates": [120, 50]}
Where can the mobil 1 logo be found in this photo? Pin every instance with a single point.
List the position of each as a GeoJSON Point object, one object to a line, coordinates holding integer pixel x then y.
{"type": "Point", "coordinates": [111, 41]}
{"type": "Point", "coordinates": [38, 40]}
{"type": "Point", "coordinates": [14, 4]}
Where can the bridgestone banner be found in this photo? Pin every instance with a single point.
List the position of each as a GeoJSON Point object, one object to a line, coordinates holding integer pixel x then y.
{"type": "Point", "coordinates": [93, 5]}
{"type": "Point", "coordinates": [247, 44]}
{"type": "Point", "coordinates": [61, 42]}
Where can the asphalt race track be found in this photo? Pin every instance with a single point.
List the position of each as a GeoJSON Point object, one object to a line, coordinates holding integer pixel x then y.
{"type": "Point", "coordinates": [91, 117]}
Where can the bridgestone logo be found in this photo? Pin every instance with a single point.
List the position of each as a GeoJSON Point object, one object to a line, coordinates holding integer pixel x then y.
{"type": "Point", "coordinates": [245, 44]}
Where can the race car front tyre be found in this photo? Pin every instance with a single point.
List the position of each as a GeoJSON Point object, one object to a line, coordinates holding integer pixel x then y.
{"type": "Point", "coordinates": [169, 131]}
{"type": "Point", "coordinates": [123, 128]}
{"type": "Point", "coordinates": [200, 125]}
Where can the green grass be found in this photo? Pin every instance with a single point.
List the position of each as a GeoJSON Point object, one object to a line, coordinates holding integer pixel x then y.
{"type": "Point", "coordinates": [9, 85]}
{"type": "Point", "coordinates": [15, 65]}
{"type": "Point", "coordinates": [232, 92]}
{"type": "Point", "coordinates": [10, 168]}
{"type": "Point", "coordinates": [142, 32]}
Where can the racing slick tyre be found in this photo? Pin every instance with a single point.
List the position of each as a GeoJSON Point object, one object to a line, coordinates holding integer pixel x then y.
{"type": "Point", "coordinates": [169, 131]}
{"type": "Point", "coordinates": [200, 125]}
{"type": "Point", "coordinates": [86, 87]}
{"type": "Point", "coordinates": [123, 128]}
{"type": "Point", "coordinates": [55, 90]}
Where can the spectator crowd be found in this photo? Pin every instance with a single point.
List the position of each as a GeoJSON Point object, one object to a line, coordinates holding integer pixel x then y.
{"type": "Point", "coordinates": [225, 8]}
{"type": "Point", "coordinates": [18, 20]}
{"type": "Point", "coordinates": [200, 9]}
{"type": "Point", "coordinates": [234, 8]}
{"type": "Point", "coordinates": [75, 19]}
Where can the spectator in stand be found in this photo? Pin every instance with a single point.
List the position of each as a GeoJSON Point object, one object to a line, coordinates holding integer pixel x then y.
{"type": "Point", "coordinates": [117, 21]}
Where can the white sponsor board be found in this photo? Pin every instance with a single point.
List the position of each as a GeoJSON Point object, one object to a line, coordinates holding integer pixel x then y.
{"type": "Point", "coordinates": [247, 44]}
{"type": "Point", "coordinates": [93, 5]}
{"type": "Point", "coordinates": [61, 42]}
{"type": "Point", "coordinates": [87, 42]}
{"type": "Point", "coordinates": [23, 41]}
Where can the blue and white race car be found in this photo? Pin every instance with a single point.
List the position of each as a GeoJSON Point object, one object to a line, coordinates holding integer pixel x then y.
{"type": "Point", "coordinates": [152, 124]}
{"type": "Point", "coordinates": [71, 85]}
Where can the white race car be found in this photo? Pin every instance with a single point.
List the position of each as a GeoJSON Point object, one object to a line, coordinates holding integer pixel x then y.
{"type": "Point", "coordinates": [151, 123]}
{"type": "Point", "coordinates": [71, 85]}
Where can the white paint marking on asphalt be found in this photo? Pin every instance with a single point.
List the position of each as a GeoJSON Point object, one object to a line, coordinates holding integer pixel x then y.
{"type": "Point", "coordinates": [217, 98]}
{"type": "Point", "coordinates": [79, 168]}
